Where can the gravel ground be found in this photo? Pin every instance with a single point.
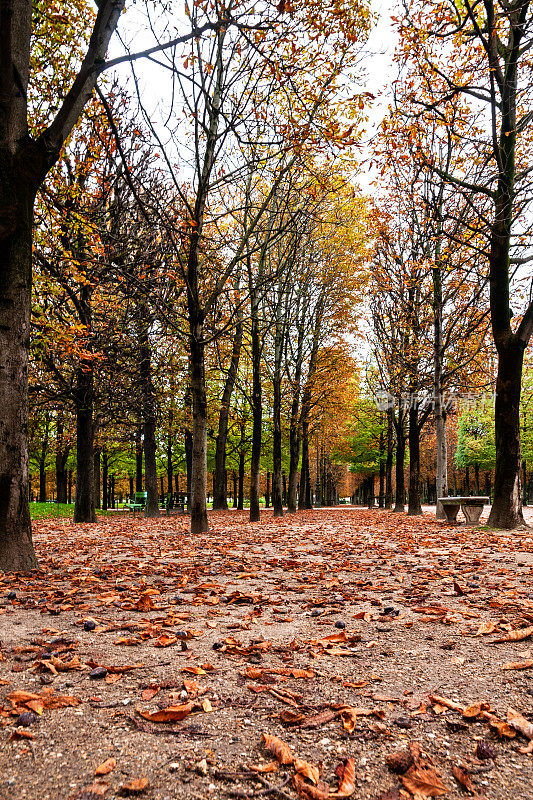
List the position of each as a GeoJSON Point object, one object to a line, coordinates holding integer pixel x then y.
{"type": "Point", "coordinates": [231, 628]}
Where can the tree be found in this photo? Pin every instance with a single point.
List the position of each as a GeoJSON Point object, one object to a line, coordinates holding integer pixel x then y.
{"type": "Point", "coordinates": [25, 161]}
{"type": "Point", "coordinates": [490, 68]}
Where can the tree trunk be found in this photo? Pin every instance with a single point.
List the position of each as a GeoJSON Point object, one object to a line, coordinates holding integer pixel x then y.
{"type": "Point", "coordinates": [235, 499]}
{"type": "Point", "coordinates": [415, 506]}
{"type": "Point", "coordinates": [267, 492]}
{"type": "Point", "coordinates": [96, 469]}
{"type": "Point", "coordinates": [42, 479]}
{"type": "Point", "coordinates": [139, 460]}
{"type": "Point", "coordinates": [257, 411]}
{"type": "Point", "coordinates": [220, 499]}
{"type": "Point", "coordinates": [149, 422]}
{"type": "Point", "coordinates": [390, 455]}
{"type": "Point", "coordinates": [240, 501]}
{"type": "Point", "coordinates": [61, 475]}
{"type": "Point", "coordinates": [506, 511]}
{"type": "Point", "coordinates": [381, 496]}
{"type": "Point", "coordinates": [304, 499]}
{"type": "Point", "coordinates": [23, 167]}
{"type": "Point", "coordinates": [170, 466]}
{"type": "Point", "coordinates": [399, 505]}
{"type": "Point", "coordinates": [84, 498]}
{"type": "Point", "coordinates": [199, 430]}
{"type": "Point", "coordinates": [105, 481]}
{"type": "Point", "coordinates": [440, 413]}
{"type": "Point", "coordinates": [371, 495]}
{"type": "Point", "coordinates": [277, 487]}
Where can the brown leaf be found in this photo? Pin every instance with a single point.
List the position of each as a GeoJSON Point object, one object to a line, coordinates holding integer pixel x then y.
{"type": "Point", "coordinates": [473, 711]}
{"type": "Point", "coordinates": [425, 781]}
{"type": "Point", "coordinates": [443, 701]}
{"type": "Point", "coordinates": [166, 640]}
{"type": "Point", "coordinates": [171, 713]}
{"type": "Point", "coordinates": [107, 767]}
{"type": "Point", "coordinates": [313, 721]}
{"type": "Point", "coordinates": [308, 791]}
{"type": "Point", "coordinates": [271, 766]}
{"type": "Point", "coordinates": [486, 628]}
{"type": "Point", "coordinates": [149, 694]}
{"type": "Point", "coordinates": [463, 777]}
{"type": "Point", "coordinates": [519, 664]}
{"type": "Point", "coordinates": [520, 723]}
{"type": "Point", "coordinates": [136, 786]}
{"type": "Point", "coordinates": [21, 733]}
{"type": "Point", "coordinates": [515, 636]}
{"type": "Point", "coordinates": [278, 748]}
{"type": "Point", "coordinates": [309, 771]}
{"type": "Point", "coordinates": [349, 716]}
{"type": "Point", "coordinates": [346, 775]}
{"type": "Point", "coordinates": [93, 792]}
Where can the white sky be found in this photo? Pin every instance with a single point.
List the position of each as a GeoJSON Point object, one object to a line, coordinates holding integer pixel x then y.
{"type": "Point", "coordinates": [379, 67]}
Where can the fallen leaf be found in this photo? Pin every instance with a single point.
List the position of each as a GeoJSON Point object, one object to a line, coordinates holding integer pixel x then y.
{"type": "Point", "coordinates": [278, 748]}
{"type": "Point", "coordinates": [136, 786]}
{"type": "Point", "coordinates": [515, 636]}
{"type": "Point", "coordinates": [346, 775]}
{"type": "Point", "coordinates": [308, 790]}
{"type": "Point", "coordinates": [171, 713]}
{"type": "Point", "coordinates": [270, 766]}
{"type": "Point", "coordinates": [425, 781]}
{"type": "Point", "coordinates": [519, 664]}
{"type": "Point", "coordinates": [309, 771]}
{"type": "Point", "coordinates": [520, 723]}
{"type": "Point", "coordinates": [462, 776]}
{"type": "Point", "coordinates": [107, 767]}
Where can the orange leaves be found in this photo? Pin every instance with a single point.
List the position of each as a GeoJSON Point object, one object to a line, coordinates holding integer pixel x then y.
{"type": "Point", "coordinates": [134, 787]}
{"type": "Point", "coordinates": [515, 636]}
{"type": "Point", "coordinates": [106, 767]}
{"type": "Point", "coordinates": [346, 774]}
{"type": "Point", "coordinates": [278, 749]}
{"type": "Point", "coordinates": [176, 713]}
{"type": "Point", "coordinates": [424, 781]}
{"type": "Point", "coordinates": [37, 703]}
{"type": "Point", "coordinates": [306, 779]}
{"type": "Point", "coordinates": [422, 778]}
{"type": "Point", "coordinates": [520, 723]}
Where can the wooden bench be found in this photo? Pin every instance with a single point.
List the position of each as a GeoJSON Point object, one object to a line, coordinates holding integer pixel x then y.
{"type": "Point", "coordinates": [470, 506]}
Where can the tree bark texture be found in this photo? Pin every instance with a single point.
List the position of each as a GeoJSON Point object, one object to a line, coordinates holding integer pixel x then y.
{"type": "Point", "coordinates": [220, 499]}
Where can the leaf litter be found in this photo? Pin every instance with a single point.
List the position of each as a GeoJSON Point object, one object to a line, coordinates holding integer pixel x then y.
{"type": "Point", "coordinates": [338, 653]}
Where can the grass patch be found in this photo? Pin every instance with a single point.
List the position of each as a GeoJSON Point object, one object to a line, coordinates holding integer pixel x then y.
{"type": "Point", "coordinates": [58, 510]}
{"type": "Point", "coordinates": [46, 510]}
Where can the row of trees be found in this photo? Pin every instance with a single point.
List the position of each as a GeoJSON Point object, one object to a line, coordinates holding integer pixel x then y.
{"type": "Point", "coordinates": [183, 253]}
{"type": "Point", "coordinates": [454, 156]}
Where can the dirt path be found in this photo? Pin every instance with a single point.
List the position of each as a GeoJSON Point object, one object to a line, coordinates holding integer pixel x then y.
{"type": "Point", "coordinates": [334, 631]}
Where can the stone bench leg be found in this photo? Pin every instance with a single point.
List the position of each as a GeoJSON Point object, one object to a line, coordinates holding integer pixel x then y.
{"type": "Point", "coordinates": [451, 512]}
{"type": "Point", "coordinates": [472, 514]}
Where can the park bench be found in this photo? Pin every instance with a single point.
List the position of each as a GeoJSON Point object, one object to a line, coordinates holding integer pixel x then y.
{"type": "Point", "coordinates": [470, 506]}
{"type": "Point", "coordinates": [172, 503]}
{"type": "Point", "coordinates": [138, 503]}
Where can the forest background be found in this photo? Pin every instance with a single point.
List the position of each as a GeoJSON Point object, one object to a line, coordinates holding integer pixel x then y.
{"type": "Point", "coordinates": [219, 311]}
